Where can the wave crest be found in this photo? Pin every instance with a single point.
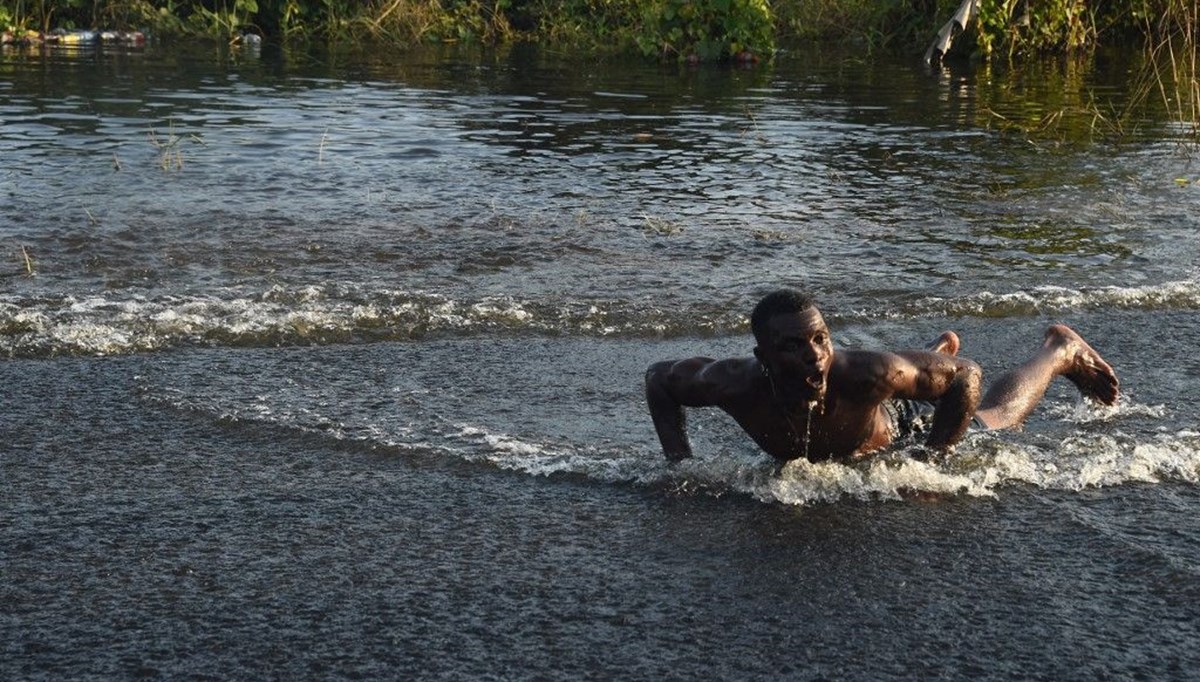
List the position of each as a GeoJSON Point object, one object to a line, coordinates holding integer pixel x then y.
{"type": "Point", "coordinates": [1178, 295]}
{"type": "Point", "coordinates": [108, 324]}
{"type": "Point", "coordinates": [984, 465]}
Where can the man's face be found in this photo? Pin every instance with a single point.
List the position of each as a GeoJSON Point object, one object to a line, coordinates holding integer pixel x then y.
{"type": "Point", "coordinates": [797, 353]}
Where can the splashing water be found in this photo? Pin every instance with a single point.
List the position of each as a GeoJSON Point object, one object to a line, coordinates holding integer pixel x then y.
{"type": "Point", "coordinates": [983, 465]}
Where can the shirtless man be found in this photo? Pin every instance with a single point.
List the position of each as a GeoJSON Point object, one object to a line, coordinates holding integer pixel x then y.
{"type": "Point", "coordinates": [797, 397]}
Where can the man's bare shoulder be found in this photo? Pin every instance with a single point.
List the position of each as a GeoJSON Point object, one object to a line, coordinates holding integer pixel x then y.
{"type": "Point", "coordinates": [705, 369]}
{"type": "Point", "coordinates": [866, 364]}
{"type": "Point", "coordinates": [705, 381]}
{"type": "Point", "coordinates": [878, 375]}
{"type": "Point", "coordinates": [868, 374]}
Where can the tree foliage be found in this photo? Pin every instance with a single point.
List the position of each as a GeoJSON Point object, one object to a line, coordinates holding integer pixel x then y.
{"type": "Point", "coordinates": [672, 29]}
{"type": "Point", "coordinates": [706, 29]}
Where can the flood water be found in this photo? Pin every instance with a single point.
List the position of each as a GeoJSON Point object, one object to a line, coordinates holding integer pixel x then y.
{"type": "Point", "coordinates": [330, 367]}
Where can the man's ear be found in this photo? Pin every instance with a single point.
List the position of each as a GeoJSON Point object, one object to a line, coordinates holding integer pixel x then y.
{"type": "Point", "coordinates": [758, 354]}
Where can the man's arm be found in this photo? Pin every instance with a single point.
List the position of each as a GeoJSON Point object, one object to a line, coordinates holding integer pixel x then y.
{"type": "Point", "coordinates": [671, 385]}
{"type": "Point", "coordinates": [954, 383]}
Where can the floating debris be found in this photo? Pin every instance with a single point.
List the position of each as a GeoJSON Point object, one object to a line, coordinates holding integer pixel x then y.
{"type": "Point", "coordinates": [64, 38]}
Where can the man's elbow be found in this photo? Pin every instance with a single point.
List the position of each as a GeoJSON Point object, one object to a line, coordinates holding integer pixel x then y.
{"type": "Point", "coordinates": [656, 375]}
{"type": "Point", "coordinates": [970, 376]}
{"type": "Point", "coordinates": [659, 390]}
{"type": "Point", "coordinates": [966, 388]}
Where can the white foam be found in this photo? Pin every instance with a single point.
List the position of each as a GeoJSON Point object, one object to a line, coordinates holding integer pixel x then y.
{"type": "Point", "coordinates": [98, 325]}
{"type": "Point", "coordinates": [1180, 294]}
{"type": "Point", "coordinates": [1088, 412]}
{"type": "Point", "coordinates": [983, 466]}
{"type": "Point", "coordinates": [109, 324]}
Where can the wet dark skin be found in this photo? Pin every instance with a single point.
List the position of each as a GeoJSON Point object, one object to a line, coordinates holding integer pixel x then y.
{"type": "Point", "coordinates": [797, 397]}
{"type": "Point", "coordinates": [807, 389]}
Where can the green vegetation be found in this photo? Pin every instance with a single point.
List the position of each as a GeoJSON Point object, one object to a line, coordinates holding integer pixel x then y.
{"type": "Point", "coordinates": [683, 29]}
{"type": "Point", "coordinates": [170, 156]}
{"type": "Point", "coordinates": [1172, 73]}
{"type": "Point", "coordinates": [672, 29]}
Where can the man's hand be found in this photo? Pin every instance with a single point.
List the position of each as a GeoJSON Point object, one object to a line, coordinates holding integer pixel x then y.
{"type": "Point", "coordinates": [956, 406]}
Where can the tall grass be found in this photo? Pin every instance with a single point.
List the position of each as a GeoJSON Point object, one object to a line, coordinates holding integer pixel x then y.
{"type": "Point", "coordinates": [1171, 65]}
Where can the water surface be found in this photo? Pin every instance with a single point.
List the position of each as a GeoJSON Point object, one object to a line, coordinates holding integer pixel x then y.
{"type": "Point", "coordinates": [331, 368]}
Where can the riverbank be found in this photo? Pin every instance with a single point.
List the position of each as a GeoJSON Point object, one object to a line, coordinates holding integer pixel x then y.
{"type": "Point", "coordinates": [672, 29]}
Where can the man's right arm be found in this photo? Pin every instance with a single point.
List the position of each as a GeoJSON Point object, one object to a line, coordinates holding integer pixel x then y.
{"type": "Point", "coordinates": [952, 382]}
{"type": "Point", "coordinates": [671, 385]}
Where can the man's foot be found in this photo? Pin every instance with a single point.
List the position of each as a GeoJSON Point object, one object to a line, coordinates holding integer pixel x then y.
{"type": "Point", "coordinates": [1089, 372]}
{"type": "Point", "coordinates": [946, 344]}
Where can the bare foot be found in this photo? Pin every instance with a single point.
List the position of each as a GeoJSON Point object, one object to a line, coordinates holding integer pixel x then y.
{"type": "Point", "coordinates": [946, 344]}
{"type": "Point", "coordinates": [1089, 372]}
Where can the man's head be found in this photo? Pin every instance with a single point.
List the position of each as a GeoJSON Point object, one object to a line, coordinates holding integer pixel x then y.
{"type": "Point", "coordinates": [793, 345]}
{"type": "Point", "coordinates": [775, 303]}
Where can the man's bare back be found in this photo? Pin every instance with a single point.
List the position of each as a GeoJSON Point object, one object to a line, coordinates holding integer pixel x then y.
{"type": "Point", "coordinates": [798, 398]}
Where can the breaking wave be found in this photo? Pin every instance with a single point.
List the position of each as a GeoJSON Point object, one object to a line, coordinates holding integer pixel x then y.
{"type": "Point", "coordinates": [984, 464]}
{"type": "Point", "coordinates": [109, 324]}
{"type": "Point", "coordinates": [316, 315]}
{"type": "Point", "coordinates": [1180, 295]}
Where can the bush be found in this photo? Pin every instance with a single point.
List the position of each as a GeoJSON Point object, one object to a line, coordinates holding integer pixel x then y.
{"type": "Point", "coordinates": [707, 29]}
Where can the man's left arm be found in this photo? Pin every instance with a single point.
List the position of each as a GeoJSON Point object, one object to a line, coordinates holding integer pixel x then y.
{"type": "Point", "coordinates": [953, 383]}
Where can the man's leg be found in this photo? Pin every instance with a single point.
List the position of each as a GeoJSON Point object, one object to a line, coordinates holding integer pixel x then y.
{"type": "Point", "coordinates": [1063, 353]}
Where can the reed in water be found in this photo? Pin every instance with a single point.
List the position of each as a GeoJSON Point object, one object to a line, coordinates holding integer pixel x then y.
{"type": "Point", "coordinates": [1171, 66]}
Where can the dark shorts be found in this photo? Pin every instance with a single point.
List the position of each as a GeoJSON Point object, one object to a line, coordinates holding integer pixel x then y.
{"type": "Point", "coordinates": [912, 417]}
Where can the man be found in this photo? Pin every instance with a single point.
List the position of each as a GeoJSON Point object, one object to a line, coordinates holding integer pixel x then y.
{"type": "Point", "coordinates": [797, 397]}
